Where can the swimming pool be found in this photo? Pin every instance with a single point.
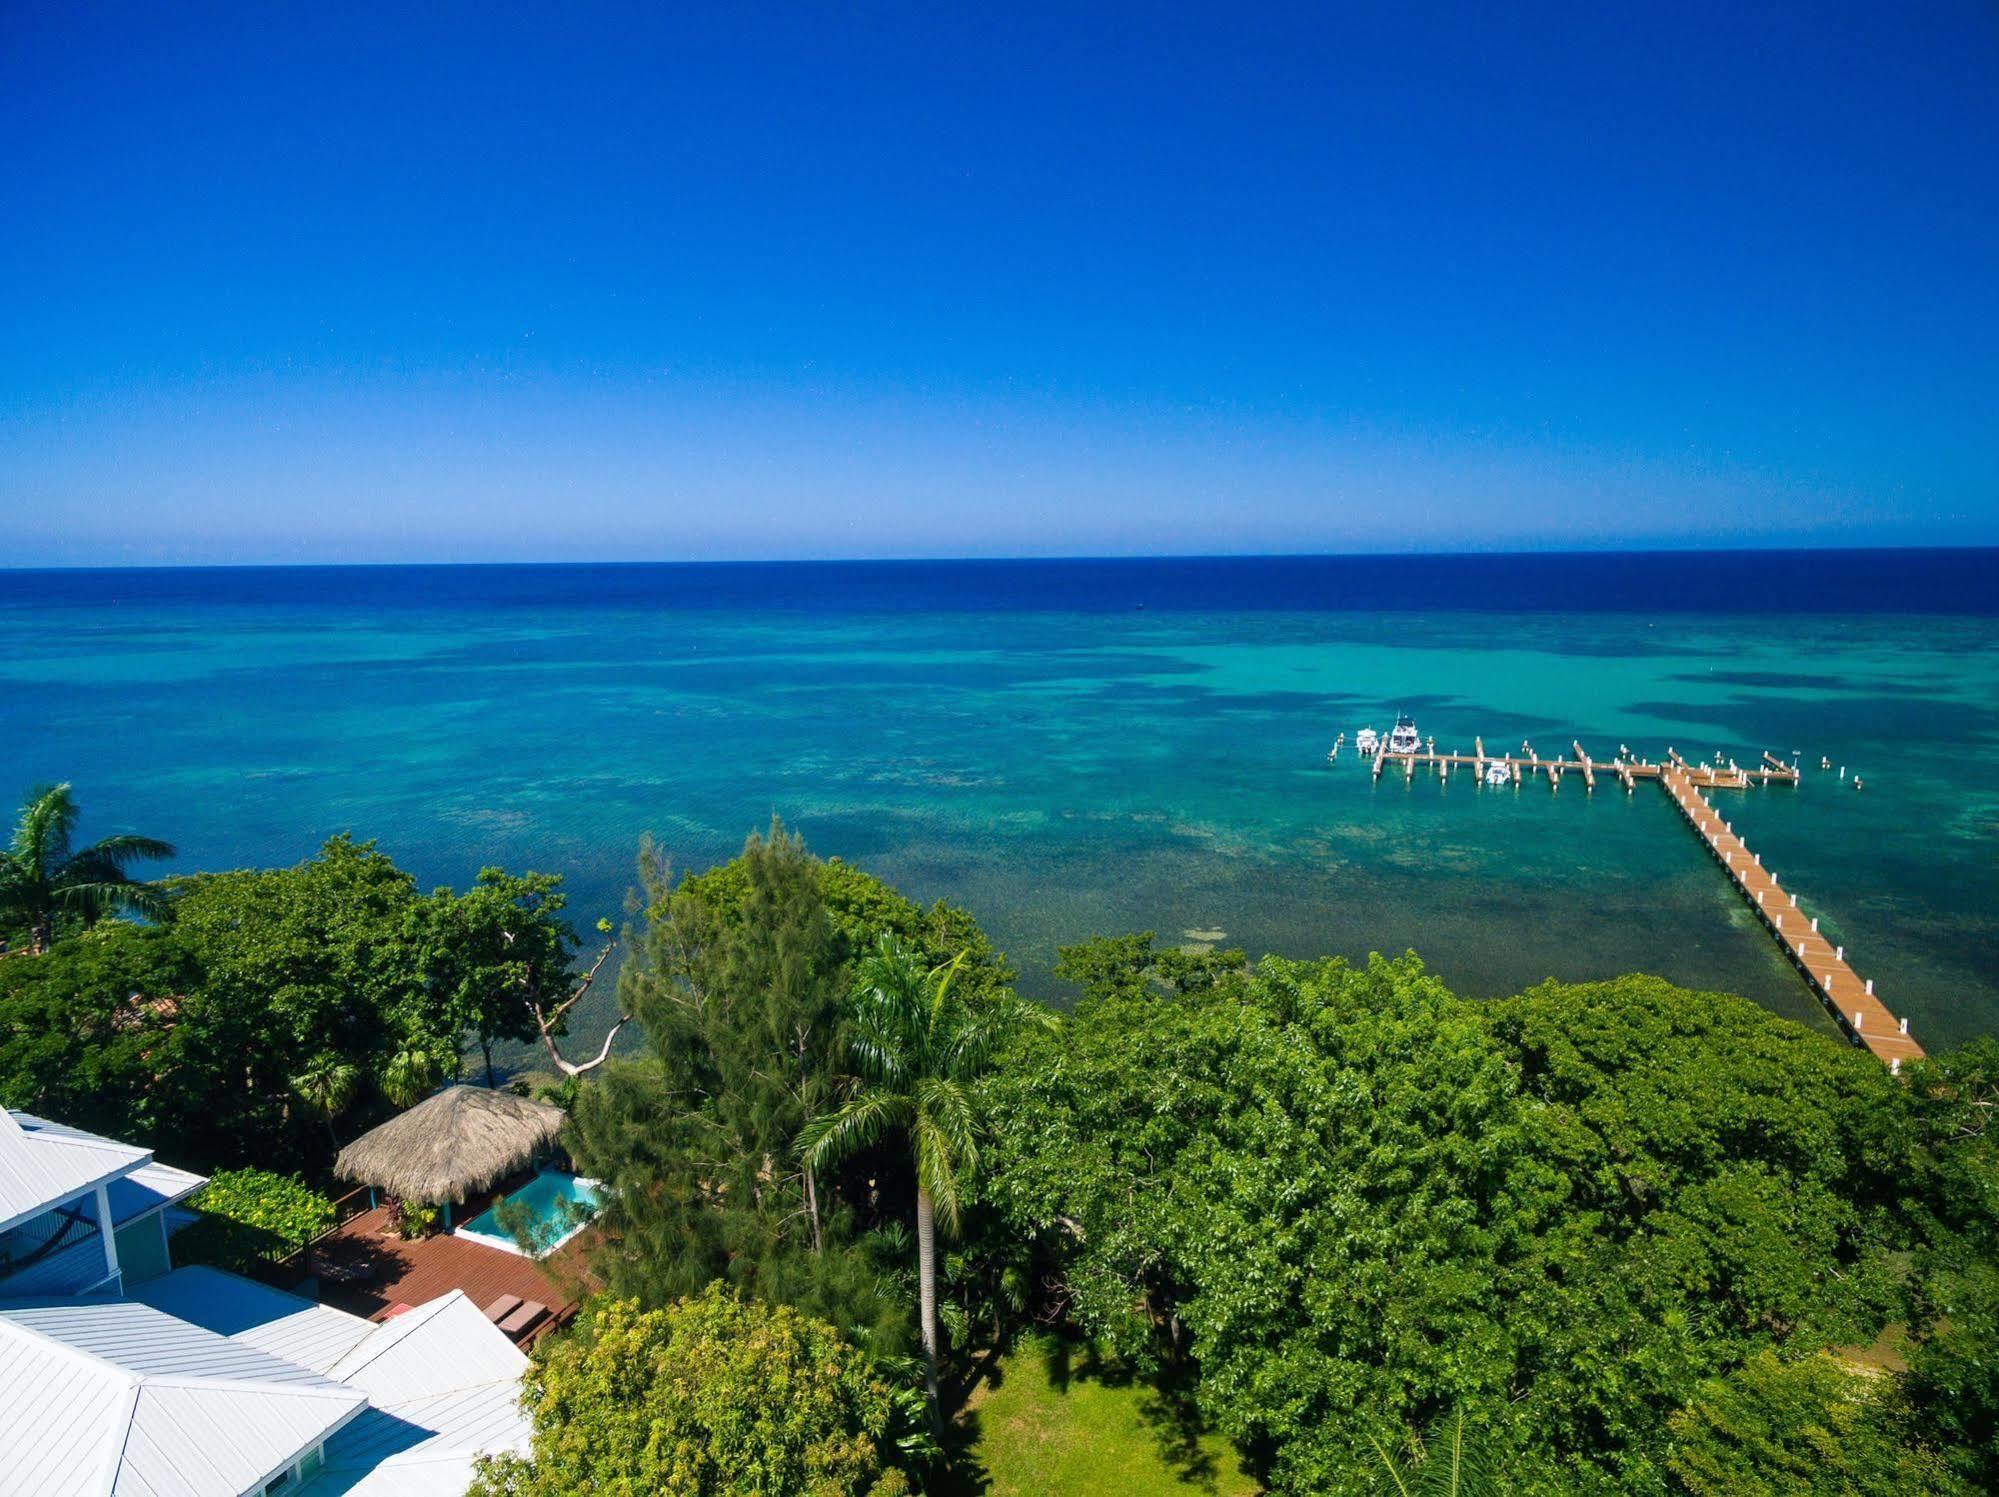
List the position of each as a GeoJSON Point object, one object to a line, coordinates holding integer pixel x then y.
{"type": "Point", "coordinates": [556, 1207]}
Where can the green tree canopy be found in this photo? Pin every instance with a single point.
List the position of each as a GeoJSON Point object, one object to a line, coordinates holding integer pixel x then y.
{"type": "Point", "coordinates": [272, 1002]}
{"type": "Point", "coordinates": [1814, 1426]}
{"type": "Point", "coordinates": [1358, 1204]}
{"type": "Point", "coordinates": [90, 1033]}
{"type": "Point", "coordinates": [737, 978]}
{"type": "Point", "coordinates": [704, 1397]}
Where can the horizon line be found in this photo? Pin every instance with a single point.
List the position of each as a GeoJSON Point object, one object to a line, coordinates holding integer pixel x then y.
{"type": "Point", "coordinates": [1105, 557]}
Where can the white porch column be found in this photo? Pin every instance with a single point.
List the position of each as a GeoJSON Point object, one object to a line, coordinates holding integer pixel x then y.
{"type": "Point", "coordinates": [109, 1232]}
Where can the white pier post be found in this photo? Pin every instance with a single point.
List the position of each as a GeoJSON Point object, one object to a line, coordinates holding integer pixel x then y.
{"type": "Point", "coordinates": [1870, 987]}
{"type": "Point", "coordinates": [1839, 953]}
{"type": "Point", "coordinates": [1905, 1026]}
{"type": "Point", "coordinates": [1815, 924]}
{"type": "Point", "coordinates": [1794, 901]}
{"type": "Point", "coordinates": [1895, 1066]}
{"type": "Point", "coordinates": [1859, 1016]}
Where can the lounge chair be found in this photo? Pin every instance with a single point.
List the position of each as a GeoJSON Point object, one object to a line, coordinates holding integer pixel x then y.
{"type": "Point", "coordinates": [524, 1318]}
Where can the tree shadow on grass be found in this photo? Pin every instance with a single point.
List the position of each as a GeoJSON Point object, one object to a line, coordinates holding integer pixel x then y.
{"type": "Point", "coordinates": [1165, 1403]}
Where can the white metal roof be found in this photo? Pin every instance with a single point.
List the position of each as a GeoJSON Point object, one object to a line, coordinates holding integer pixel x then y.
{"type": "Point", "coordinates": [443, 1385]}
{"type": "Point", "coordinates": [112, 1398]}
{"type": "Point", "coordinates": [426, 1447]}
{"type": "Point", "coordinates": [150, 1186]}
{"type": "Point", "coordinates": [43, 1164]}
{"type": "Point", "coordinates": [256, 1315]}
{"type": "Point", "coordinates": [439, 1347]}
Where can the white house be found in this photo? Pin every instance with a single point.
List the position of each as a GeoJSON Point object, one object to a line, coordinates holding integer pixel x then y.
{"type": "Point", "coordinates": [122, 1376]}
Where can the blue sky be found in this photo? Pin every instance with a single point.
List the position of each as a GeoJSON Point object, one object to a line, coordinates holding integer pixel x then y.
{"type": "Point", "coordinates": [290, 284]}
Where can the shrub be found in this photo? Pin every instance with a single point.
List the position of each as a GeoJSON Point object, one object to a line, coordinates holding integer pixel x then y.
{"type": "Point", "coordinates": [710, 1395]}
{"type": "Point", "coordinates": [250, 1216]}
{"type": "Point", "coordinates": [412, 1219]}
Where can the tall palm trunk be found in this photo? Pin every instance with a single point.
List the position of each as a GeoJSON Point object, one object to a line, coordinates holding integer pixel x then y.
{"type": "Point", "coordinates": [926, 1279]}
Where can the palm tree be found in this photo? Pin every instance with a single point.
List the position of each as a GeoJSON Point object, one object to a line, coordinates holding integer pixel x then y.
{"type": "Point", "coordinates": [407, 1075]}
{"type": "Point", "coordinates": [1451, 1465]}
{"type": "Point", "coordinates": [326, 1085]}
{"type": "Point", "coordinates": [42, 877]}
{"type": "Point", "coordinates": [919, 1046]}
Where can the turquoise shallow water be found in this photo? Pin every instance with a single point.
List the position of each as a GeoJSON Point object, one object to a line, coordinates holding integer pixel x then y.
{"type": "Point", "coordinates": [1062, 771]}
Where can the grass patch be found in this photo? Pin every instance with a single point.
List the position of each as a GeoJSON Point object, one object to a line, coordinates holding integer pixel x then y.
{"type": "Point", "coordinates": [1050, 1417]}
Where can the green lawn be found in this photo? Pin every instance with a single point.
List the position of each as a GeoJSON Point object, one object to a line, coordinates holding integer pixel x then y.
{"type": "Point", "coordinates": [1052, 1420]}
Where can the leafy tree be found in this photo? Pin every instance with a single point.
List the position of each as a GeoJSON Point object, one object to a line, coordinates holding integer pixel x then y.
{"type": "Point", "coordinates": [1953, 1381]}
{"type": "Point", "coordinates": [1806, 1427]}
{"type": "Point", "coordinates": [708, 1396]}
{"type": "Point", "coordinates": [737, 978]}
{"type": "Point", "coordinates": [45, 880]}
{"type": "Point", "coordinates": [90, 1033]}
{"type": "Point", "coordinates": [1714, 1180]}
{"type": "Point", "coordinates": [1132, 967]}
{"type": "Point", "coordinates": [495, 952]}
{"type": "Point", "coordinates": [734, 982]}
{"type": "Point", "coordinates": [268, 999]}
{"type": "Point", "coordinates": [1347, 1198]}
{"type": "Point", "coordinates": [920, 1048]}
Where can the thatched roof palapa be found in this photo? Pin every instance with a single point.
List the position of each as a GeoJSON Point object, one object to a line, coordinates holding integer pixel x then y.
{"type": "Point", "coordinates": [464, 1140]}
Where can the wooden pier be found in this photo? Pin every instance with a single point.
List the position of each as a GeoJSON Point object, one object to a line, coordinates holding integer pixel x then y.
{"type": "Point", "coordinates": [1864, 1018]}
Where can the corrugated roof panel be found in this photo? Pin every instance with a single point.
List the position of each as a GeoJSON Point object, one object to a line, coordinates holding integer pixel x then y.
{"type": "Point", "coordinates": [123, 1398]}
{"type": "Point", "coordinates": [149, 1186]}
{"type": "Point", "coordinates": [43, 1164]}
{"type": "Point", "coordinates": [138, 1339]}
{"type": "Point", "coordinates": [204, 1440]}
{"type": "Point", "coordinates": [256, 1315]}
{"type": "Point", "coordinates": [63, 1414]}
{"type": "Point", "coordinates": [468, 1422]}
{"type": "Point", "coordinates": [436, 1348]}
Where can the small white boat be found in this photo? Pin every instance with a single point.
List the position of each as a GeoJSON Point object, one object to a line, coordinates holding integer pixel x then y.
{"type": "Point", "coordinates": [1498, 772]}
{"type": "Point", "coordinates": [1402, 739]}
{"type": "Point", "coordinates": [1366, 741]}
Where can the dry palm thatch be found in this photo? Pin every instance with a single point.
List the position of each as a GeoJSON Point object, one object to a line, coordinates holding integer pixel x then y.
{"type": "Point", "coordinates": [460, 1142]}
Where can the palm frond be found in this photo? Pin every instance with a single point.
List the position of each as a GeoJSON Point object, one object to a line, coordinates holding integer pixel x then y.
{"type": "Point", "coordinates": [94, 901]}
{"type": "Point", "coordinates": [116, 852]}
{"type": "Point", "coordinates": [936, 1168]}
{"type": "Point", "coordinates": [948, 1106]}
{"type": "Point", "coordinates": [41, 837]}
{"type": "Point", "coordinates": [1394, 1471]}
{"type": "Point", "coordinates": [1454, 1462]}
{"type": "Point", "coordinates": [858, 1124]}
{"type": "Point", "coordinates": [988, 1030]}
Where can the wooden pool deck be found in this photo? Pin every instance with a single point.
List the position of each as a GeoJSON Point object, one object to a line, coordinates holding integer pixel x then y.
{"type": "Point", "coordinates": [365, 1268]}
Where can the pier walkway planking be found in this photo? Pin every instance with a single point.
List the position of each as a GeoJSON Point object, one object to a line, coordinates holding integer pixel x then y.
{"type": "Point", "coordinates": [1865, 1019]}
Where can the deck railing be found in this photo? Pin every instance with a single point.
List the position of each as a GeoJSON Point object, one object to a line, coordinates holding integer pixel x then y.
{"type": "Point", "coordinates": [294, 1265]}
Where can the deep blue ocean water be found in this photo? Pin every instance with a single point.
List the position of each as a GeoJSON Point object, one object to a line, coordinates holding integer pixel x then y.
{"type": "Point", "coordinates": [1077, 747]}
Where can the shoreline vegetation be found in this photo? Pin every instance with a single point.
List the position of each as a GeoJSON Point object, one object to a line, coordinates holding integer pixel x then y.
{"type": "Point", "coordinates": [875, 1224]}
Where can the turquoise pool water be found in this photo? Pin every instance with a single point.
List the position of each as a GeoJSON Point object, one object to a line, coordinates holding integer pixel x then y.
{"type": "Point", "coordinates": [556, 1206]}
